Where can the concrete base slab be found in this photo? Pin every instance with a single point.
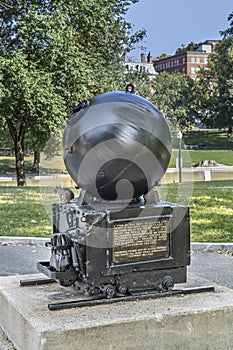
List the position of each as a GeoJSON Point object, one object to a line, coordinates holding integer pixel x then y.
{"type": "Point", "coordinates": [198, 321]}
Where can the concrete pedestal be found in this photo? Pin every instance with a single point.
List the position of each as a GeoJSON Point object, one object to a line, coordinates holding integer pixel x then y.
{"type": "Point", "coordinates": [198, 321]}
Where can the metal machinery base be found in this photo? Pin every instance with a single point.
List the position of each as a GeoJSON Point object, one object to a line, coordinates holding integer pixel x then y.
{"type": "Point", "coordinates": [112, 255]}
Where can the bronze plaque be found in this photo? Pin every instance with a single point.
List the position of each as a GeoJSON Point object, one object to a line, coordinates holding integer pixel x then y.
{"type": "Point", "coordinates": [140, 240]}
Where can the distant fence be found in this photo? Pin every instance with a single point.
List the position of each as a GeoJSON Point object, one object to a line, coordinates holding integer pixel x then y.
{"type": "Point", "coordinates": [6, 151]}
{"type": "Point", "coordinates": [191, 147]}
{"type": "Point", "coordinates": [11, 151]}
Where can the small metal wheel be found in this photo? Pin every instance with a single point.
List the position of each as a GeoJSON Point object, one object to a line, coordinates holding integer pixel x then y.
{"type": "Point", "coordinates": [167, 283]}
{"type": "Point", "coordinates": [110, 291]}
{"type": "Point", "coordinates": [65, 282]}
{"type": "Point", "coordinates": [122, 288]}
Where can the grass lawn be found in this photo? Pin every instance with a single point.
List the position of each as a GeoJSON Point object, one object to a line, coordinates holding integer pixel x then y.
{"type": "Point", "coordinates": [7, 164]}
{"type": "Point", "coordinates": [212, 139]}
{"type": "Point", "coordinates": [23, 212]}
{"type": "Point", "coordinates": [27, 211]}
{"type": "Point", "coordinates": [220, 156]}
{"type": "Point", "coordinates": [211, 208]}
{"type": "Point", "coordinates": [218, 146]}
{"type": "Point", "coordinates": [51, 166]}
{"type": "Point", "coordinates": [191, 157]}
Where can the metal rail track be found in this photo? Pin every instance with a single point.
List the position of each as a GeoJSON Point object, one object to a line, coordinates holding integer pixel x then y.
{"type": "Point", "coordinates": [136, 295]}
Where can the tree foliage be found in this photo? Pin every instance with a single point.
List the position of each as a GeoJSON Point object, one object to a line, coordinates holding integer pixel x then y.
{"type": "Point", "coordinates": [228, 31]}
{"type": "Point", "coordinates": [192, 46]}
{"type": "Point", "coordinates": [163, 55]}
{"type": "Point", "coordinates": [173, 95]}
{"type": "Point", "coordinates": [54, 54]}
{"type": "Point", "coordinates": [224, 71]}
{"type": "Point", "coordinates": [141, 82]}
{"type": "Point", "coordinates": [214, 86]}
{"type": "Point", "coordinates": [206, 93]}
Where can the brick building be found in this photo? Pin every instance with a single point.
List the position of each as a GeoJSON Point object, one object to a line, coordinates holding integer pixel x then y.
{"type": "Point", "coordinates": [188, 62]}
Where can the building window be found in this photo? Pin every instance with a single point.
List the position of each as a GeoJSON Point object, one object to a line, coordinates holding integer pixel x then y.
{"type": "Point", "coordinates": [193, 70]}
{"type": "Point", "coordinates": [198, 60]}
{"type": "Point", "coordinates": [205, 60]}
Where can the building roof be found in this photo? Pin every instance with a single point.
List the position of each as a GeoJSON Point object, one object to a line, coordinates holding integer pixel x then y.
{"type": "Point", "coordinates": [142, 66]}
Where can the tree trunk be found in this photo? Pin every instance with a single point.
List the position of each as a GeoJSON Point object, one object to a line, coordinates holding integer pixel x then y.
{"type": "Point", "coordinates": [19, 161]}
{"type": "Point", "coordinates": [18, 139]}
{"type": "Point", "coordinates": [36, 162]}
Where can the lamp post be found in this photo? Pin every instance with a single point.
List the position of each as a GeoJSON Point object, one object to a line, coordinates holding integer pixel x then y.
{"type": "Point", "coordinates": [179, 137]}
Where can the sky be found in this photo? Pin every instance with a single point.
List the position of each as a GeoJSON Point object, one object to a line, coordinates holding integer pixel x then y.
{"type": "Point", "coordinates": [171, 23]}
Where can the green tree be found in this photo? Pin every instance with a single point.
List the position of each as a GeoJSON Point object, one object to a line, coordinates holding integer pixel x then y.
{"type": "Point", "coordinates": [141, 82]}
{"type": "Point", "coordinates": [29, 100]}
{"type": "Point", "coordinates": [163, 55]}
{"type": "Point", "coordinates": [6, 141]}
{"type": "Point", "coordinates": [54, 54]}
{"type": "Point", "coordinates": [228, 31]}
{"type": "Point", "coordinates": [213, 88]}
{"type": "Point", "coordinates": [224, 71]}
{"type": "Point", "coordinates": [205, 92]}
{"type": "Point", "coordinates": [192, 46]}
{"type": "Point", "coordinates": [173, 95]}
